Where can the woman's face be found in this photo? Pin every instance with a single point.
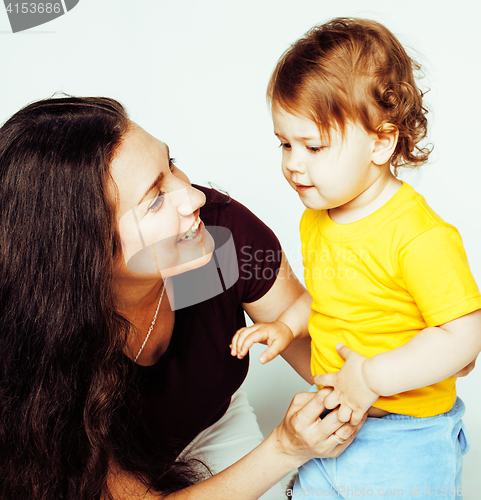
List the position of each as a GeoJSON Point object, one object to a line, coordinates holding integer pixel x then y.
{"type": "Point", "coordinates": [157, 210]}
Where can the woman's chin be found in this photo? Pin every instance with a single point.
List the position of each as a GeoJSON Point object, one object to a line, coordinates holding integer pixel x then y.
{"type": "Point", "coordinates": [186, 266]}
{"type": "Point", "coordinates": [193, 253]}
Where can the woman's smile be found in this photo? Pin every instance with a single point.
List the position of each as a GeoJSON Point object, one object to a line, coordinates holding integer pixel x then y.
{"type": "Point", "coordinates": [194, 233]}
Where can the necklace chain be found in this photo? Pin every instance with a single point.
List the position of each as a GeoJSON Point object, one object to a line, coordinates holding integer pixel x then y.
{"type": "Point", "coordinates": [153, 323]}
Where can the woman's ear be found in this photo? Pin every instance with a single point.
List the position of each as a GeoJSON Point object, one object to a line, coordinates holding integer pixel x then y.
{"type": "Point", "coordinates": [385, 144]}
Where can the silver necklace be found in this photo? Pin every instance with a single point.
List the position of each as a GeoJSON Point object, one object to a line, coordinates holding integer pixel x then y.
{"type": "Point", "coordinates": [153, 323]}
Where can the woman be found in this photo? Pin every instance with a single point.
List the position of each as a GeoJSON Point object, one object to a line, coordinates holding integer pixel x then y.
{"type": "Point", "coordinates": [88, 345]}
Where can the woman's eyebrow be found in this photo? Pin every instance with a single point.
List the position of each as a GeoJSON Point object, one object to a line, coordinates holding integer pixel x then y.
{"type": "Point", "coordinates": [157, 180]}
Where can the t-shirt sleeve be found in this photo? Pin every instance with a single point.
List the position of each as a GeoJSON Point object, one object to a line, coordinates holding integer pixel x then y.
{"type": "Point", "coordinates": [437, 275]}
{"type": "Point", "coordinates": [258, 250]}
{"type": "Point", "coordinates": [308, 218]}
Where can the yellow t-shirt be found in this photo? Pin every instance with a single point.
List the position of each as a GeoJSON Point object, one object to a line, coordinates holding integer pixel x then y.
{"type": "Point", "coordinates": [378, 281]}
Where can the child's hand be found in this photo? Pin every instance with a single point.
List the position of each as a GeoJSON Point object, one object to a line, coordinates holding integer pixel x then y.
{"type": "Point", "coordinates": [351, 390]}
{"type": "Point", "coordinates": [277, 335]}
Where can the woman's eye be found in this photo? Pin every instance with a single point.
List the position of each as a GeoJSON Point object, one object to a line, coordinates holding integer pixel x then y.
{"type": "Point", "coordinates": [171, 163]}
{"type": "Point", "coordinates": [285, 145]}
{"type": "Point", "coordinates": [156, 204]}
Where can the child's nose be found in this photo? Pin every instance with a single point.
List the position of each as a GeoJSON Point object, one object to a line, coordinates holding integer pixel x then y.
{"type": "Point", "coordinates": [293, 164]}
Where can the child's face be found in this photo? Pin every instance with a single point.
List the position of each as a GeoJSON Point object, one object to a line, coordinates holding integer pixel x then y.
{"type": "Point", "coordinates": [326, 172]}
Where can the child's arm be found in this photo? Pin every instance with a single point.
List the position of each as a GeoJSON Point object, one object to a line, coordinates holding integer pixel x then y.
{"type": "Point", "coordinates": [432, 355]}
{"type": "Point", "coordinates": [290, 325]}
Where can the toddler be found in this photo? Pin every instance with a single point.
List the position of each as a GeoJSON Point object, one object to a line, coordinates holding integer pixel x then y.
{"type": "Point", "coordinates": [395, 310]}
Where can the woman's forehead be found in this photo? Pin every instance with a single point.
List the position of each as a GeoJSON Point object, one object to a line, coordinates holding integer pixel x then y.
{"type": "Point", "coordinates": [138, 152]}
{"type": "Point", "coordinates": [139, 143]}
{"type": "Point", "coordinates": [137, 163]}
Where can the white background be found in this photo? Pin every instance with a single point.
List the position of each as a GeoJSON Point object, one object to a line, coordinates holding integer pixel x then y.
{"type": "Point", "coordinates": [194, 73]}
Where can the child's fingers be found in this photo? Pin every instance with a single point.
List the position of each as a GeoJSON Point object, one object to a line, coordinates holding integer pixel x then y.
{"type": "Point", "coordinates": [344, 351]}
{"type": "Point", "coordinates": [344, 413]}
{"type": "Point", "coordinates": [233, 344]}
{"type": "Point", "coordinates": [239, 337]}
{"type": "Point", "coordinates": [245, 344]}
{"type": "Point", "coordinates": [247, 338]}
{"type": "Point", "coordinates": [356, 417]}
{"type": "Point", "coordinates": [326, 379]}
{"type": "Point", "coordinates": [325, 391]}
{"type": "Point", "coordinates": [274, 350]}
{"type": "Point", "coordinates": [332, 400]}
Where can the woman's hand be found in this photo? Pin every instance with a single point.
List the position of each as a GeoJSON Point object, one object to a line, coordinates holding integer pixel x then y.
{"type": "Point", "coordinates": [303, 435]}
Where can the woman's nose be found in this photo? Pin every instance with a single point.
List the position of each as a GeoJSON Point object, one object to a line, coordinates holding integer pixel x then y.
{"type": "Point", "coordinates": [192, 201]}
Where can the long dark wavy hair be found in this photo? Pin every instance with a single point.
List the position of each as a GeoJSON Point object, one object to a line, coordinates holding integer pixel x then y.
{"type": "Point", "coordinates": [67, 413]}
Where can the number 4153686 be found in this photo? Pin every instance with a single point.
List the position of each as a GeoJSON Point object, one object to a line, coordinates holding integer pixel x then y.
{"type": "Point", "coordinates": [34, 8]}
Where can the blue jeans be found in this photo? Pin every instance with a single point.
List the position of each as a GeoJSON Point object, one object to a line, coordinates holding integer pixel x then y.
{"type": "Point", "coordinates": [393, 456]}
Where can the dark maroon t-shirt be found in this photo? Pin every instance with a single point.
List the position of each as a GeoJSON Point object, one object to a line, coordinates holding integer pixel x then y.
{"type": "Point", "coordinates": [191, 385]}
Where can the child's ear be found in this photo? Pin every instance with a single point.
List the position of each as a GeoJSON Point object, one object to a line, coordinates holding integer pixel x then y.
{"type": "Point", "coordinates": [385, 144]}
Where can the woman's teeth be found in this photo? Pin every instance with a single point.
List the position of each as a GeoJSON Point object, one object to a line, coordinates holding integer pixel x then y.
{"type": "Point", "coordinates": [192, 232]}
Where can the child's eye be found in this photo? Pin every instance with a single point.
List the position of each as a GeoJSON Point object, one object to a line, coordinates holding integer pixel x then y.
{"type": "Point", "coordinates": [171, 163]}
{"type": "Point", "coordinates": [315, 149]}
{"type": "Point", "coordinates": [285, 145]}
{"type": "Point", "coordinates": [156, 204]}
